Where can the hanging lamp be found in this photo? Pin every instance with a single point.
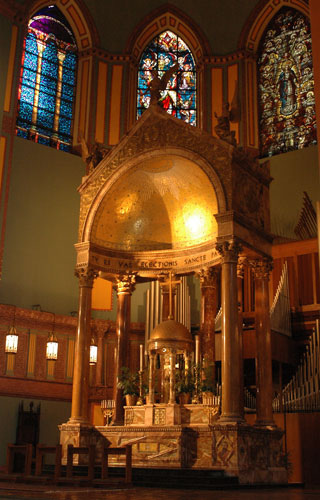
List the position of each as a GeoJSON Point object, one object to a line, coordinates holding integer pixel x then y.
{"type": "Point", "coordinates": [12, 338]}
{"type": "Point", "coordinates": [52, 344]}
{"type": "Point", "coordinates": [12, 341]}
{"type": "Point", "coordinates": [93, 352]}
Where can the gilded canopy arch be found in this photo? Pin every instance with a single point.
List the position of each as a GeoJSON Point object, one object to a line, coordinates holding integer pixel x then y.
{"type": "Point", "coordinates": [173, 177]}
{"type": "Point", "coordinates": [165, 194]}
{"type": "Point", "coordinates": [157, 192]}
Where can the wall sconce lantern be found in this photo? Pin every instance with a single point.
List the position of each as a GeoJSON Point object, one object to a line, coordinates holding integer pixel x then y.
{"type": "Point", "coordinates": [93, 352]}
{"type": "Point", "coordinates": [52, 347]}
{"type": "Point", "coordinates": [11, 341]}
{"type": "Point", "coordinates": [52, 344]}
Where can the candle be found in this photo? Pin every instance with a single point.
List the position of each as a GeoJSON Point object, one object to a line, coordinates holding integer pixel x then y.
{"type": "Point", "coordinates": [141, 357]}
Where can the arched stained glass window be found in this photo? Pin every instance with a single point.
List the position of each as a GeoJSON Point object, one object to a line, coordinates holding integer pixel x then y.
{"type": "Point", "coordinates": [179, 98]}
{"type": "Point", "coordinates": [47, 80]}
{"type": "Point", "coordinates": [286, 85]}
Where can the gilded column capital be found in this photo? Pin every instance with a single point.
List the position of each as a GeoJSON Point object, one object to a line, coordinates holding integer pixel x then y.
{"type": "Point", "coordinates": [86, 276]}
{"type": "Point", "coordinates": [208, 277]}
{"type": "Point", "coordinates": [229, 251]}
{"type": "Point", "coordinates": [125, 284]}
{"type": "Point", "coordinates": [261, 268]}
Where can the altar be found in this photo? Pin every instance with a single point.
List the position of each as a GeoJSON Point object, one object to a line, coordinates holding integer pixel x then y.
{"type": "Point", "coordinates": [188, 437]}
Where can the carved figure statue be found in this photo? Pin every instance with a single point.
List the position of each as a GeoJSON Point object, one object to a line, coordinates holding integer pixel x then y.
{"type": "Point", "coordinates": [92, 155]}
{"type": "Point", "coordinates": [222, 129]}
{"type": "Point", "coordinates": [158, 84]}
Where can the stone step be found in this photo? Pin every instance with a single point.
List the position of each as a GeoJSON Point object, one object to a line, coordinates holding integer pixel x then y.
{"type": "Point", "coordinates": [180, 478]}
{"type": "Point", "coordinates": [142, 476]}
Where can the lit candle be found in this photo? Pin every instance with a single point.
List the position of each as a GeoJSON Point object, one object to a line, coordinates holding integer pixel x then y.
{"type": "Point", "coordinates": [141, 357]}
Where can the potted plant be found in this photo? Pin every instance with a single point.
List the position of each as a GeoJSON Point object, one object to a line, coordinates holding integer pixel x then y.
{"type": "Point", "coordinates": [184, 386]}
{"type": "Point", "coordinates": [129, 383]}
{"type": "Point", "coordinates": [207, 384]}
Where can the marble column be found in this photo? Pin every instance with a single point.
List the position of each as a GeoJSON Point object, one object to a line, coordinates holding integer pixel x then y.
{"type": "Point", "coordinates": [124, 287]}
{"type": "Point", "coordinates": [172, 394]}
{"type": "Point", "coordinates": [99, 367]}
{"type": "Point", "coordinates": [230, 345]}
{"type": "Point", "coordinates": [165, 303]}
{"type": "Point", "coordinates": [209, 300]}
{"type": "Point", "coordinates": [186, 362]}
{"type": "Point", "coordinates": [80, 385]}
{"type": "Point", "coordinates": [152, 369]}
{"type": "Point", "coordinates": [240, 276]}
{"type": "Point", "coordinates": [261, 270]}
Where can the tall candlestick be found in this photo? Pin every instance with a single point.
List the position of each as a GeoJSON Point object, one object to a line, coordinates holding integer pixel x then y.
{"type": "Point", "coordinates": [141, 357]}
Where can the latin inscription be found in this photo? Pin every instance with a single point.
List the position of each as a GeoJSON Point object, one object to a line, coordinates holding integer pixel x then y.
{"type": "Point", "coordinates": [192, 261]}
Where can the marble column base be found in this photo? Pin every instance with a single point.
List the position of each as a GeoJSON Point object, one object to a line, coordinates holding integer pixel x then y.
{"type": "Point", "coordinates": [77, 434]}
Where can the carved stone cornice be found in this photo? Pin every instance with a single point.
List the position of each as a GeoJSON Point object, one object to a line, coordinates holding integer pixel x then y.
{"type": "Point", "coordinates": [125, 284]}
{"type": "Point", "coordinates": [229, 251]}
{"type": "Point", "coordinates": [261, 268]}
{"type": "Point", "coordinates": [208, 277]}
{"type": "Point", "coordinates": [86, 276]}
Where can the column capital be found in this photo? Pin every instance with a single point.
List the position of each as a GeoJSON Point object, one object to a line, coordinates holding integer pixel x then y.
{"type": "Point", "coordinates": [229, 250]}
{"type": "Point", "coordinates": [261, 268]}
{"type": "Point", "coordinates": [208, 276]}
{"type": "Point", "coordinates": [98, 328]}
{"type": "Point", "coordinates": [125, 284]}
{"type": "Point", "coordinates": [86, 276]}
{"type": "Point", "coordinates": [61, 56]}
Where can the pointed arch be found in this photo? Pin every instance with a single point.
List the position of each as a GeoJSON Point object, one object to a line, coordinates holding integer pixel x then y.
{"type": "Point", "coordinates": [77, 15]}
{"type": "Point", "coordinates": [261, 16]}
{"type": "Point", "coordinates": [83, 36]}
{"type": "Point", "coordinates": [167, 18]}
{"type": "Point", "coordinates": [287, 117]}
{"type": "Point", "coordinates": [259, 126]}
{"type": "Point", "coordinates": [168, 52]}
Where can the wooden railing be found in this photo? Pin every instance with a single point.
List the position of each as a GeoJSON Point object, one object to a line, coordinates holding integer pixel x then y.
{"type": "Point", "coordinates": [70, 476]}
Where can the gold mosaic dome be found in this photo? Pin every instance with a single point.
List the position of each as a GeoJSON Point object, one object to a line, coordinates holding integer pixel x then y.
{"type": "Point", "coordinates": [170, 334]}
{"type": "Point", "coordinates": [165, 202]}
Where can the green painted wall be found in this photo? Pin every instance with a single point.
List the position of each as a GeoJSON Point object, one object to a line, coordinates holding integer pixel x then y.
{"type": "Point", "coordinates": [52, 414]}
{"type": "Point", "coordinates": [41, 229]}
{"type": "Point", "coordinates": [293, 173]}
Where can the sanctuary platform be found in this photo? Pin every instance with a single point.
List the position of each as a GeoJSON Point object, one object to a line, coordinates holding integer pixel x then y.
{"type": "Point", "coordinates": [187, 436]}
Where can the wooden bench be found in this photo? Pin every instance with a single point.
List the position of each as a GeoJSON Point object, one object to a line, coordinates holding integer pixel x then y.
{"type": "Point", "coordinates": [26, 450]}
{"type": "Point", "coordinates": [127, 451]}
{"type": "Point", "coordinates": [41, 450]}
{"type": "Point", "coordinates": [86, 450]}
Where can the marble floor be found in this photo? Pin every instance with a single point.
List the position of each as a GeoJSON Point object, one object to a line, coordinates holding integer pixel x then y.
{"type": "Point", "coordinates": [20, 492]}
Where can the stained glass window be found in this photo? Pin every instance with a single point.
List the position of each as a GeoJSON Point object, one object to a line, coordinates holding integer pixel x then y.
{"type": "Point", "coordinates": [47, 80]}
{"type": "Point", "coordinates": [179, 97]}
{"type": "Point", "coordinates": [286, 85]}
